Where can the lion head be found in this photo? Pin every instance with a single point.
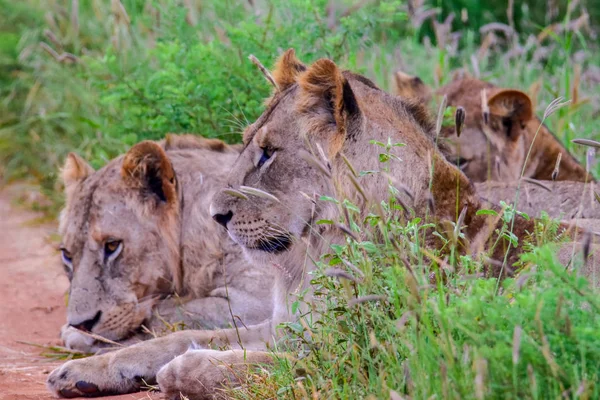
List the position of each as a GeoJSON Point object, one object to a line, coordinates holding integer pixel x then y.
{"type": "Point", "coordinates": [498, 133]}
{"type": "Point", "coordinates": [317, 134]}
{"type": "Point", "coordinates": [412, 87]}
{"type": "Point", "coordinates": [119, 239]}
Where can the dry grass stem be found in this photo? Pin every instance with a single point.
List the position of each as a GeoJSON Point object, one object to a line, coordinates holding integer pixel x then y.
{"type": "Point", "coordinates": [264, 71]}
{"type": "Point", "coordinates": [340, 273]}
{"type": "Point", "coordinates": [459, 120]}
{"type": "Point", "coordinates": [345, 230]}
{"type": "Point", "coordinates": [485, 109]}
{"type": "Point", "coordinates": [538, 183]}
{"type": "Point", "coordinates": [555, 105]}
{"type": "Point", "coordinates": [516, 344]}
{"type": "Point", "coordinates": [359, 188]}
{"type": "Point", "coordinates": [586, 142]}
{"type": "Point", "coordinates": [590, 155]}
{"type": "Point", "coordinates": [349, 165]}
{"type": "Point", "coordinates": [258, 193]}
{"type": "Point", "coordinates": [366, 299]}
{"type": "Point", "coordinates": [556, 167]}
{"type": "Point", "coordinates": [235, 193]}
{"type": "Point", "coordinates": [353, 268]}
{"type": "Point", "coordinates": [440, 116]}
{"type": "Point", "coordinates": [311, 160]}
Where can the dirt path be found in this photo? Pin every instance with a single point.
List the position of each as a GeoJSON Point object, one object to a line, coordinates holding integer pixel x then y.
{"type": "Point", "coordinates": [32, 305]}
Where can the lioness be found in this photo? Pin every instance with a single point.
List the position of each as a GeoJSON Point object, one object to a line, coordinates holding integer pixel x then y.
{"type": "Point", "coordinates": [312, 139]}
{"type": "Point", "coordinates": [138, 230]}
{"type": "Point", "coordinates": [562, 200]}
{"type": "Point", "coordinates": [499, 129]}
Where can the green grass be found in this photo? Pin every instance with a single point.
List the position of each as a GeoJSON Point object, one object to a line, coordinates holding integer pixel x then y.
{"type": "Point", "coordinates": [158, 66]}
{"type": "Point", "coordinates": [388, 324]}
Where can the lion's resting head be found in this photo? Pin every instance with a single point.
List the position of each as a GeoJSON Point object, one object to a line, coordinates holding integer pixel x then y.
{"type": "Point", "coordinates": [498, 132]}
{"type": "Point", "coordinates": [121, 234]}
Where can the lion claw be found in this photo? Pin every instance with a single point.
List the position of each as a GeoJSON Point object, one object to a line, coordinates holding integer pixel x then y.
{"type": "Point", "coordinates": [69, 394]}
{"type": "Point", "coordinates": [86, 387]}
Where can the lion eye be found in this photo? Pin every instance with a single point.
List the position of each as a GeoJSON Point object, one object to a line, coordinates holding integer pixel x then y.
{"type": "Point", "coordinates": [460, 162]}
{"type": "Point", "coordinates": [266, 154]}
{"type": "Point", "coordinates": [66, 257]}
{"type": "Point", "coordinates": [112, 248]}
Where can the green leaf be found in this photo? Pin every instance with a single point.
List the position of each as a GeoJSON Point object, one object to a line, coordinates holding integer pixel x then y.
{"type": "Point", "coordinates": [363, 173]}
{"type": "Point", "coordinates": [324, 222]}
{"type": "Point", "coordinates": [295, 306]}
{"type": "Point", "coordinates": [377, 143]}
{"type": "Point", "coordinates": [384, 157]}
{"type": "Point", "coordinates": [330, 199]}
{"type": "Point", "coordinates": [338, 249]}
{"type": "Point", "coordinates": [486, 212]}
{"type": "Point", "coordinates": [369, 247]}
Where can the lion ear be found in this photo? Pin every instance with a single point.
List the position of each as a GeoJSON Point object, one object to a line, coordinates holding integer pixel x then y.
{"type": "Point", "coordinates": [287, 68]}
{"type": "Point", "coordinates": [327, 96]}
{"type": "Point", "coordinates": [75, 170]}
{"type": "Point", "coordinates": [147, 168]}
{"type": "Point", "coordinates": [411, 87]}
{"type": "Point", "coordinates": [512, 104]}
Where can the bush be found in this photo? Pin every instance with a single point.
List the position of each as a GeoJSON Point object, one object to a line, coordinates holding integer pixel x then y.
{"type": "Point", "coordinates": [146, 69]}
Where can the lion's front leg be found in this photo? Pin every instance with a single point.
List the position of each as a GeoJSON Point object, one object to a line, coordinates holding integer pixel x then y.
{"type": "Point", "coordinates": [122, 371]}
{"type": "Point", "coordinates": [126, 370]}
{"type": "Point", "coordinates": [206, 374]}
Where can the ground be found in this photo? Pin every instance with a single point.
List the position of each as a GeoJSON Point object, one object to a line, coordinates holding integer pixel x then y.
{"type": "Point", "coordinates": [32, 303]}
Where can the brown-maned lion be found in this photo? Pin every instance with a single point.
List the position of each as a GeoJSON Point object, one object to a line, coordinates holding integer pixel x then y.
{"type": "Point", "coordinates": [319, 122]}
{"type": "Point", "coordinates": [139, 230]}
{"type": "Point", "coordinates": [499, 129]}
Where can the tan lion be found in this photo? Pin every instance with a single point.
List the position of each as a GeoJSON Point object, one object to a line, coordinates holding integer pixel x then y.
{"type": "Point", "coordinates": [319, 122]}
{"type": "Point", "coordinates": [499, 129]}
{"type": "Point", "coordinates": [138, 231]}
{"type": "Point", "coordinates": [562, 200]}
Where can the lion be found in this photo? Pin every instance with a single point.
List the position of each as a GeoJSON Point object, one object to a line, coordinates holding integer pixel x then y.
{"type": "Point", "coordinates": [499, 130]}
{"type": "Point", "coordinates": [137, 236]}
{"type": "Point", "coordinates": [564, 200]}
{"type": "Point", "coordinates": [311, 140]}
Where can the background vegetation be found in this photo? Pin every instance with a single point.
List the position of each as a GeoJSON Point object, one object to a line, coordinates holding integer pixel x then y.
{"type": "Point", "coordinates": [96, 76]}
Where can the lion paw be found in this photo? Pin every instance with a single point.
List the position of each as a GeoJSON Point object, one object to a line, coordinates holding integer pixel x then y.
{"type": "Point", "coordinates": [85, 378]}
{"type": "Point", "coordinates": [73, 339]}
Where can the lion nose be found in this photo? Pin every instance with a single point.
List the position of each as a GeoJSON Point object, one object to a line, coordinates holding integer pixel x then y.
{"type": "Point", "coordinates": [88, 325]}
{"type": "Point", "coordinates": [223, 219]}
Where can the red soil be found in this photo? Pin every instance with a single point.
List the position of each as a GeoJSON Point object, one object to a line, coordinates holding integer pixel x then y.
{"type": "Point", "coordinates": [32, 305]}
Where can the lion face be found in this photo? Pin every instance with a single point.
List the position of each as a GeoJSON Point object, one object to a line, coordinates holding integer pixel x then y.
{"type": "Point", "coordinates": [119, 248]}
{"type": "Point", "coordinates": [494, 139]}
{"type": "Point", "coordinates": [269, 206]}
{"type": "Point", "coordinates": [493, 144]}
{"type": "Point", "coordinates": [271, 227]}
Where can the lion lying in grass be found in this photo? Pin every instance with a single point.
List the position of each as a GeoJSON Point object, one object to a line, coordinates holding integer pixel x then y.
{"type": "Point", "coordinates": [315, 136]}
{"type": "Point", "coordinates": [499, 129]}
{"type": "Point", "coordinates": [138, 231]}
